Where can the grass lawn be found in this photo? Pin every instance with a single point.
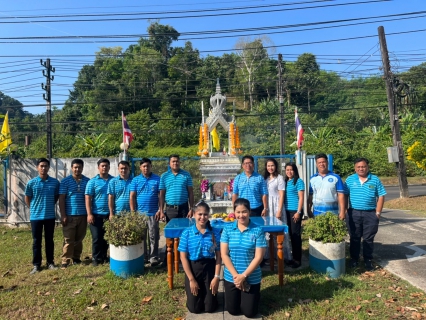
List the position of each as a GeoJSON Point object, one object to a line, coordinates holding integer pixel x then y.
{"type": "Point", "coordinates": [86, 292]}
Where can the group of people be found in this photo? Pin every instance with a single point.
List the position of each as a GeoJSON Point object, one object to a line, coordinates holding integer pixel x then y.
{"type": "Point", "coordinates": [84, 201]}
{"type": "Point", "coordinates": [241, 246]}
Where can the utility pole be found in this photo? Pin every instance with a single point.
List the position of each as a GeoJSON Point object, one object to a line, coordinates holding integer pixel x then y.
{"type": "Point", "coordinates": [393, 115]}
{"type": "Point", "coordinates": [280, 97]}
{"type": "Point", "coordinates": [47, 96]}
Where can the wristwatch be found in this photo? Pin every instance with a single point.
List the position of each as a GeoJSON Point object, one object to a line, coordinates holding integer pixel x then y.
{"type": "Point", "coordinates": [378, 213]}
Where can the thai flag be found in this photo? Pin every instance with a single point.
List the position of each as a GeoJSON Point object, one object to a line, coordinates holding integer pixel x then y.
{"type": "Point", "coordinates": [299, 130]}
{"type": "Point", "coordinates": [127, 133]}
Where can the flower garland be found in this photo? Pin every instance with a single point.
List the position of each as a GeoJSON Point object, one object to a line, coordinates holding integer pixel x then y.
{"type": "Point", "coordinates": [232, 138]}
{"type": "Point", "coordinates": [237, 140]}
{"type": "Point", "coordinates": [206, 139]}
{"type": "Point", "coordinates": [204, 185]}
{"type": "Point", "coordinates": [200, 144]}
{"type": "Point", "coordinates": [231, 185]}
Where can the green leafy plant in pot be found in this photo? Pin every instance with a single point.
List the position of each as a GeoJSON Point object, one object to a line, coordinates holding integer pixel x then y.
{"type": "Point", "coordinates": [126, 234]}
{"type": "Point", "coordinates": [327, 234]}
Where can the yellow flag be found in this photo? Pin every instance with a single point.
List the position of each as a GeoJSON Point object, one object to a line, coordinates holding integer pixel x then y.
{"type": "Point", "coordinates": [215, 137]}
{"type": "Point", "coordinates": [5, 138]}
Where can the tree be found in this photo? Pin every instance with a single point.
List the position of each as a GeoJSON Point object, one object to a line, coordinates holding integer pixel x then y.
{"type": "Point", "coordinates": [161, 37]}
{"type": "Point", "coordinates": [307, 73]}
{"type": "Point", "coordinates": [253, 56]}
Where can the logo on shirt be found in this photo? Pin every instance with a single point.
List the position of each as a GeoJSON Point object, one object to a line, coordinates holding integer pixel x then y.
{"type": "Point", "coordinates": [330, 179]}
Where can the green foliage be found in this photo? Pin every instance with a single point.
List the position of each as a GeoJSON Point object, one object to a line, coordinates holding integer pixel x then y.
{"type": "Point", "coordinates": [126, 228]}
{"type": "Point", "coordinates": [326, 228]}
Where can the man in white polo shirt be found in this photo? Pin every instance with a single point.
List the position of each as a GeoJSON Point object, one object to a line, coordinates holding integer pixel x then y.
{"type": "Point", "coordinates": [326, 191]}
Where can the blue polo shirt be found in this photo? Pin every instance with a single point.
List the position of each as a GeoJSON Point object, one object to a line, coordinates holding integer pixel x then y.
{"type": "Point", "coordinates": [75, 204]}
{"type": "Point", "coordinates": [363, 196]}
{"type": "Point", "coordinates": [176, 186]}
{"type": "Point", "coordinates": [291, 200]}
{"type": "Point", "coordinates": [198, 245]}
{"type": "Point", "coordinates": [251, 188]}
{"type": "Point", "coordinates": [97, 188]}
{"type": "Point", "coordinates": [324, 191]}
{"type": "Point", "coordinates": [146, 193]}
{"type": "Point", "coordinates": [120, 189]}
{"type": "Point", "coordinates": [42, 193]}
{"type": "Point", "coordinates": [242, 247]}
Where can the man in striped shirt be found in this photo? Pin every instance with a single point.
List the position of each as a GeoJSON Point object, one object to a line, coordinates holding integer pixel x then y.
{"type": "Point", "coordinates": [73, 213]}
{"type": "Point", "coordinates": [119, 190]}
{"type": "Point", "coordinates": [366, 198]}
{"type": "Point", "coordinates": [176, 191]}
{"type": "Point", "coordinates": [251, 186]}
{"type": "Point", "coordinates": [41, 194]}
{"type": "Point", "coordinates": [98, 211]}
{"type": "Point", "coordinates": [144, 191]}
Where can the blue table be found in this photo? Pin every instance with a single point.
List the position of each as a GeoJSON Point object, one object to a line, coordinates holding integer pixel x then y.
{"type": "Point", "coordinates": [175, 227]}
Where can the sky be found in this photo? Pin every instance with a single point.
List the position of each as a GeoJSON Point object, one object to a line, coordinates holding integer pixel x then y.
{"type": "Point", "coordinates": [342, 34]}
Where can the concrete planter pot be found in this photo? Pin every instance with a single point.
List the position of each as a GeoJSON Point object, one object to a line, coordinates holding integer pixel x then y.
{"type": "Point", "coordinates": [127, 261]}
{"type": "Point", "coordinates": [327, 258]}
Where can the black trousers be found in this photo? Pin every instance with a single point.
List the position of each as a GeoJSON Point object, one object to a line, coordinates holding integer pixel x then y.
{"type": "Point", "coordinates": [99, 244]}
{"type": "Point", "coordinates": [203, 271]}
{"type": "Point", "coordinates": [295, 229]}
{"type": "Point", "coordinates": [365, 224]}
{"type": "Point", "coordinates": [37, 232]}
{"type": "Point", "coordinates": [180, 211]}
{"type": "Point", "coordinates": [238, 301]}
{"type": "Point", "coordinates": [256, 212]}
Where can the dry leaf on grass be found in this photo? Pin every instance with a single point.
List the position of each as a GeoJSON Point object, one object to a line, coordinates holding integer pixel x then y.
{"type": "Point", "coordinates": [416, 315]}
{"type": "Point", "coordinates": [175, 298]}
{"type": "Point", "coordinates": [104, 306]}
{"type": "Point", "coordinates": [146, 300]}
{"type": "Point", "coordinates": [53, 300]}
{"type": "Point", "coordinates": [179, 318]}
{"type": "Point", "coordinates": [379, 295]}
{"type": "Point", "coordinates": [287, 314]}
{"type": "Point", "coordinates": [416, 294]}
{"type": "Point", "coordinates": [93, 302]}
{"type": "Point", "coordinates": [90, 308]}
{"type": "Point", "coordinates": [92, 283]}
{"type": "Point", "coordinates": [327, 301]}
{"type": "Point", "coordinates": [47, 293]}
{"type": "Point", "coordinates": [6, 273]}
{"type": "Point", "coordinates": [411, 309]}
{"type": "Point", "coordinates": [358, 307]}
{"type": "Point", "coordinates": [78, 291]}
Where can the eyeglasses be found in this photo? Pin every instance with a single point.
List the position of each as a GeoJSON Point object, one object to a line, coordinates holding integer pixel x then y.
{"type": "Point", "coordinates": [247, 163]}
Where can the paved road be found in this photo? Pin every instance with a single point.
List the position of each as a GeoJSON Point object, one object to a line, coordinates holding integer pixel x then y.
{"type": "Point", "coordinates": [415, 190]}
{"type": "Point", "coordinates": [400, 246]}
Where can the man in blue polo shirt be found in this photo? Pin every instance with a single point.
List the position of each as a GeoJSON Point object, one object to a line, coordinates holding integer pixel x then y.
{"type": "Point", "coordinates": [366, 198]}
{"type": "Point", "coordinates": [119, 190]}
{"type": "Point", "coordinates": [327, 192]}
{"type": "Point", "coordinates": [251, 186]}
{"type": "Point", "coordinates": [176, 191]}
{"type": "Point", "coordinates": [73, 213]}
{"type": "Point", "coordinates": [144, 191]}
{"type": "Point", "coordinates": [98, 211]}
{"type": "Point", "coordinates": [41, 194]}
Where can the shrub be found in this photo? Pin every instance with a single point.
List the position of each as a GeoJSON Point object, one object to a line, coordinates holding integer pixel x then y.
{"type": "Point", "coordinates": [126, 229]}
{"type": "Point", "coordinates": [326, 228]}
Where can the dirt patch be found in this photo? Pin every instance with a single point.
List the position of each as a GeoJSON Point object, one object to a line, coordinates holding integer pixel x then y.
{"type": "Point", "coordinates": [416, 203]}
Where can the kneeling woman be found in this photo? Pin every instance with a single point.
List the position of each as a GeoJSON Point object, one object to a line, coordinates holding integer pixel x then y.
{"type": "Point", "coordinates": [242, 246]}
{"type": "Point", "coordinates": [200, 256]}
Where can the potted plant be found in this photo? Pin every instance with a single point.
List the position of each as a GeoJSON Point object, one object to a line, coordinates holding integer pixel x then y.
{"type": "Point", "coordinates": [327, 234]}
{"type": "Point", "coordinates": [126, 233]}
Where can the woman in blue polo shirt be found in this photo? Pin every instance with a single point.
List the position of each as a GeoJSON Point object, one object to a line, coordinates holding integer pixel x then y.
{"type": "Point", "coordinates": [242, 246]}
{"type": "Point", "coordinates": [201, 261]}
{"type": "Point", "coordinates": [294, 195]}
